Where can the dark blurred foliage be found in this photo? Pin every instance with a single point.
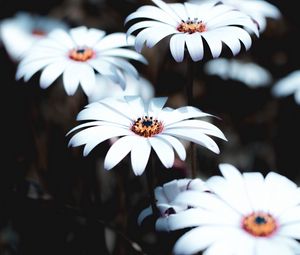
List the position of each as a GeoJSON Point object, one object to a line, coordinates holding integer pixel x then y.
{"type": "Point", "coordinates": [55, 201]}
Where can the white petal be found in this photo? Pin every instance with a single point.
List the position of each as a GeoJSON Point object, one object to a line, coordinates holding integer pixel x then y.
{"type": "Point", "coordinates": [290, 230]}
{"type": "Point", "coordinates": [87, 79]}
{"type": "Point", "coordinates": [214, 42]}
{"type": "Point", "coordinates": [163, 150]}
{"type": "Point", "coordinates": [62, 38]}
{"type": "Point", "coordinates": [155, 105]}
{"type": "Point", "coordinates": [289, 216]}
{"type": "Point", "coordinates": [78, 34]}
{"type": "Point", "coordinates": [118, 151]}
{"type": "Point", "coordinates": [144, 214]}
{"type": "Point", "coordinates": [71, 78]}
{"type": "Point", "coordinates": [177, 45]}
{"type": "Point", "coordinates": [123, 64]}
{"type": "Point", "coordinates": [51, 73]}
{"type": "Point", "coordinates": [199, 239]}
{"type": "Point", "coordinates": [234, 196]}
{"type": "Point", "coordinates": [195, 46]}
{"type": "Point", "coordinates": [152, 36]}
{"type": "Point", "coordinates": [195, 136]}
{"type": "Point", "coordinates": [93, 36]}
{"type": "Point", "coordinates": [267, 246]}
{"type": "Point", "coordinates": [156, 14]}
{"type": "Point", "coordinates": [204, 126]}
{"type": "Point", "coordinates": [139, 155]}
{"type": "Point", "coordinates": [167, 9]}
{"type": "Point", "coordinates": [114, 40]}
{"type": "Point", "coordinates": [177, 145]}
{"type": "Point", "coordinates": [182, 113]}
{"type": "Point", "coordinates": [123, 53]}
{"type": "Point", "coordinates": [255, 187]}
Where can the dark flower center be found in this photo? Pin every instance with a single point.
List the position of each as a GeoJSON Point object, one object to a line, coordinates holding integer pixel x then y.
{"type": "Point", "coordinates": [147, 126]}
{"type": "Point", "coordinates": [259, 224]}
{"type": "Point", "coordinates": [191, 26]}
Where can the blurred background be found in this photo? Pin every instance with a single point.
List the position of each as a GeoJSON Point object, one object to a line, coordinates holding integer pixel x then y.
{"type": "Point", "coordinates": [55, 201]}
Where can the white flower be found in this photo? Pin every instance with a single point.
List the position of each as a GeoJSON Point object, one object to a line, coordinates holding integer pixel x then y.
{"type": "Point", "coordinates": [134, 87]}
{"type": "Point", "coordinates": [189, 24]}
{"type": "Point", "coordinates": [142, 127]}
{"type": "Point", "coordinates": [165, 200]}
{"type": "Point", "coordinates": [245, 214]}
{"type": "Point", "coordinates": [258, 10]}
{"type": "Point", "coordinates": [76, 55]}
{"type": "Point", "coordinates": [251, 74]}
{"type": "Point", "coordinates": [288, 85]}
{"type": "Point", "coordinates": [20, 32]}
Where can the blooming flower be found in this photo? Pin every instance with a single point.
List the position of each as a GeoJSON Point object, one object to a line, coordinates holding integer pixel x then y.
{"type": "Point", "coordinates": [251, 74]}
{"type": "Point", "coordinates": [165, 196]}
{"type": "Point", "coordinates": [189, 24]}
{"type": "Point", "coordinates": [142, 127]}
{"type": "Point", "coordinates": [77, 54]}
{"type": "Point", "coordinates": [258, 10]}
{"type": "Point", "coordinates": [288, 85]}
{"type": "Point", "coordinates": [20, 32]}
{"type": "Point", "coordinates": [134, 87]}
{"type": "Point", "coordinates": [245, 214]}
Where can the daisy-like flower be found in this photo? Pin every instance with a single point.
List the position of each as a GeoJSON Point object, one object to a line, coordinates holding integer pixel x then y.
{"type": "Point", "coordinates": [134, 87]}
{"type": "Point", "coordinates": [165, 200]}
{"type": "Point", "coordinates": [189, 24]}
{"type": "Point", "coordinates": [288, 85]}
{"type": "Point", "coordinates": [77, 55]}
{"type": "Point", "coordinates": [20, 32]}
{"type": "Point", "coordinates": [251, 74]}
{"type": "Point", "coordinates": [258, 10]}
{"type": "Point", "coordinates": [142, 127]}
{"type": "Point", "coordinates": [244, 214]}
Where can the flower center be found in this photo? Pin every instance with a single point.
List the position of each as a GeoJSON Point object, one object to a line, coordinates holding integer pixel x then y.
{"type": "Point", "coordinates": [191, 26]}
{"type": "Point", "coordinates": [259, 224]}
{"type": "Point", "coordinates": [38, 32]}
{"type": "Point", "coordinates": [81, 54]}
{"type": "Point", "coordinates": [147, 126]}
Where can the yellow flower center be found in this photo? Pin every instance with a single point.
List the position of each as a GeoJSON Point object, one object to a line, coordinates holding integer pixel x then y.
{"type": "Point", "coordinates": [259, 224]}
{"type": "Point", "coordinates": [147, 126]}
{"type": "Point", "coordinates": [191, 26]}
{"type": "Point", "coordinates": [38, 32]}
{"type": "Point", "coordinates": [81, 54]}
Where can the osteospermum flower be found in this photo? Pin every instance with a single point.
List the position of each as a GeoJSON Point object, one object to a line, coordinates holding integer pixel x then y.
{"type": "Point", "coordinates": [141, 128]}
{"type": "Point", "coordinates": [77, 55]}
{"type": "Point", "coordinates": [288, 85]}
{"type": "Point", "coordinates": [245, 214]}
{"type": "Point", "coordinates": [165, 200]}
{"type": "Point", "coordinates": [258, 10]}
{"type": "Point", "coordinates": [251, 74]}
{"type": "Point", "coordinates": [134, 87]}
{"type": "Point", "coordinates": [20, 32]}
{"type": "Point", "coordinates": [189, 24]}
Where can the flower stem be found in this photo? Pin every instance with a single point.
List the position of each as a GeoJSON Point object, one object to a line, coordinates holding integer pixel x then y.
{"type": "Point", "coordinates": [190, 101]}
{"type": "Point", "coordinates": [150, 174]}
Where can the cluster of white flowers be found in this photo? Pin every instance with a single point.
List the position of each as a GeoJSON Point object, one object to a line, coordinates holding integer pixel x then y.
{"type": "Point", "coordinates": [241, 214]}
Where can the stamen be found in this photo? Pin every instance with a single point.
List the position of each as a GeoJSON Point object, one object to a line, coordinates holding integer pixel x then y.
{"type": "Point", "coordinates": [147, 126]}
{"type": "Point", "coordinates": [191, 26]}
{"type": "Point", "coordinates": [81, 54]}
{"type": "Point", "coordinates": [259, 224]}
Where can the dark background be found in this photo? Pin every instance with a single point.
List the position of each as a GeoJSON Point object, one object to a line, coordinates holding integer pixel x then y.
{"type": "Point", "coordinates": [55, 201]}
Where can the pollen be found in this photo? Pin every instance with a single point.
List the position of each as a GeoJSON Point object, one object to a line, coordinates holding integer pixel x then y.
{"type": "Point", "coordinates": [259, 224]}
{"type": "Point", "coordinates": [191, 26]}
{"type": "Point", "coordinates": [81, 54]}
{"type": "Point", "coordinates": [147, 126]}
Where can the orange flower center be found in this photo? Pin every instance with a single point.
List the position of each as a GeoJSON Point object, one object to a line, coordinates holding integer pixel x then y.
{"type": "Point", "coordinates": [147, 126]}
{"type": "Point", "coordinates": [259, 224]}
{"type": "Point", "coordinates": [191, 26]}
{"type": "Point", "coordinates": [38, 32]}
{"type": "Point", "coordinates": [81, 54]}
